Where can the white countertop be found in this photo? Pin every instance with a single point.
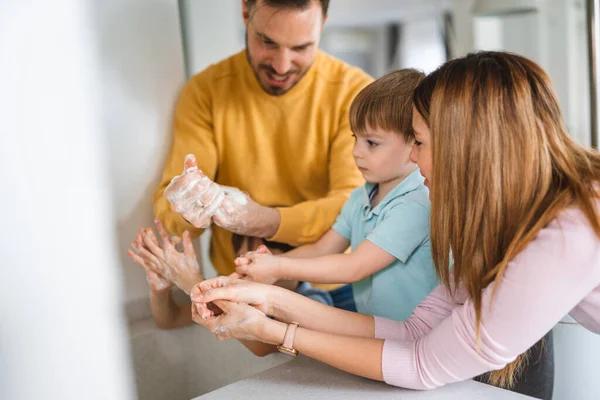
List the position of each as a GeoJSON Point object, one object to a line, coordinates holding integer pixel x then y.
{"type": "Point", "coordinates": [304, 378]}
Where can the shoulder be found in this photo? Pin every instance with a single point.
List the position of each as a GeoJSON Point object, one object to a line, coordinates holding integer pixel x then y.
{"type": "Point", "coordinates": [571, 230]}
{"type": "Point", "coordinates": [215, 73]}
{"type": "Point", "coordinates": [416, 200]}
{"type": "Point", "coordinates": [357, 196]}
{"type": "Point", "coordinates": [339, 75]}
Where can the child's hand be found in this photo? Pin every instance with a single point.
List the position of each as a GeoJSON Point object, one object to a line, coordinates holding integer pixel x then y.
{"type": "Point", "coordinates": [259, 266]}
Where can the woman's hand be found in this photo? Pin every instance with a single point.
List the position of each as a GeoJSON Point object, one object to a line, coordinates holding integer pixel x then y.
{"type": "Point", "coordinates": [259, 266]}
{"type": "Point", "coordinates": [256, 294]}
{"type": "Point", "coordinates": [166, 261]}
{"type": "Point", "coordinates": [237, 321]}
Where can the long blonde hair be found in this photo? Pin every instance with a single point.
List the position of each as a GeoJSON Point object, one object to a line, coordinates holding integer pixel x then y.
{"type": "Point", "coordinates": [503, 166]}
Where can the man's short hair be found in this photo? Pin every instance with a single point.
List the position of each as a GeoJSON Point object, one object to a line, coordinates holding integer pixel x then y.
{"type": "Point", "coordinates": [297, 4]}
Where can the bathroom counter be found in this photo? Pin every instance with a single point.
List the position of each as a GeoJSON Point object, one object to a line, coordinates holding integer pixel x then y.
{"type": "Point", "coordinates": [303, 378]}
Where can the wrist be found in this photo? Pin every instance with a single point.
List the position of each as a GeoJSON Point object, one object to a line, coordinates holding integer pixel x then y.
{"type": "Point", "coordinates": [191, 281]}
{"type": "Point", "coordinates": [281, 269]}
{"type": "Point", "coordinates": [277, 298]}
{"type": "Point", "coordinates": [272, 332]}
{"type": "Point", "coordinates": [269, 222]}
{"type": "Point", "coordinates": [162, 291]}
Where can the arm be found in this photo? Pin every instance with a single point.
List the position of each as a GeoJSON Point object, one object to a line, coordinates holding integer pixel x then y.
{"type": "Point", "coordinates": [166, 313]}
{"type": "Point", "coordinates": [365, 260]}
{"type": "Point", "coordinates": [330, 243]}
{"type": "Point", "coordinates": [525, 307]}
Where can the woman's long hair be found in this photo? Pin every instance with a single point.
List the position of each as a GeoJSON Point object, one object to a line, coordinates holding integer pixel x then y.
{"type": "Point", "coordinates": [503, 166]}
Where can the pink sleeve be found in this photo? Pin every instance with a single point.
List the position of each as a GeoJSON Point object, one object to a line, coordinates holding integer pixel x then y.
{"type": "Point", "coordinates": [540, 286]}
{"type": "Point", "coordinates": [427, 315]}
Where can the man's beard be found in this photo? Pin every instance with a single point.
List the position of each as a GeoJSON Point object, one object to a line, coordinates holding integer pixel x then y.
{"type": "Point", "coordinates": [272, 90]}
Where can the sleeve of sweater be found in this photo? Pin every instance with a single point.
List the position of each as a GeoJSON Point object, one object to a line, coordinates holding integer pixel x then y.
{"type": "Point", "coordinates": [432, 310]}
{"type": "Point", "coordinates": [558, 269]}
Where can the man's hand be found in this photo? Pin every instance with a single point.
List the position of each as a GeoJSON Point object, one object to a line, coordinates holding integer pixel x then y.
{"type": "Point", "coordinates": [193, 195]}
{"type": "Point", "coordinates": [200, 201]}
{"type": "Point", "coordinates": [178, 267]}
{"type": "Point", "coordinates": [248, 218]}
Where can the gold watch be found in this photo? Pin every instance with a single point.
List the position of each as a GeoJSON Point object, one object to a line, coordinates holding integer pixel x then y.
{"type": "Point", "coordinates": [288, 340]}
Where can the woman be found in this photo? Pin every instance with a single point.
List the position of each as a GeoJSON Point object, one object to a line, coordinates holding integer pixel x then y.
{"type": "Point", "coordinates": [515, 202]}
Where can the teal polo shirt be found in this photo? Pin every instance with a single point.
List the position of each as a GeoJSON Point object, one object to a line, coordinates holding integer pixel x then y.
{"type": "Point", "coordinates": [399, 225]}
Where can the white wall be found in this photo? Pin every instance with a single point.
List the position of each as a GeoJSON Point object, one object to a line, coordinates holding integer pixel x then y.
{"type": "Point", "coordinates": [554, 37]}
{"type": "Point", "coordinates": [213, 30]}
{"type": "Point", "coordinates": [62, 332]}
{"type": "Point", "coordinates": [142, 71]}
{"type": "Point", "coordinates": [421, 44]}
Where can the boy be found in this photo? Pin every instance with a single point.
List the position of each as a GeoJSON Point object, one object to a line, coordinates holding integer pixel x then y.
{"type": "Point", "coordinates": [386, 221]}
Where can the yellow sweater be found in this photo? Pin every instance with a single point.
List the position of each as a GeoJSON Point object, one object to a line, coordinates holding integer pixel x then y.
{"type": "Point", "coordinates": [293, 151]}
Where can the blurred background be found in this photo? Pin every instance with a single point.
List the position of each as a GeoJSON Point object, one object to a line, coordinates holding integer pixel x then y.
{"type": "Point", "coordinates": [86, 101]}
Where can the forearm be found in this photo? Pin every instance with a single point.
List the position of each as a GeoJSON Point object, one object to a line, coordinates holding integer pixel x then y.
{"type": "Point", "coordinates": [305, 251]}
{"type": "Point", "coordinates": [166, 313]}
{"type": "Point", "coordinates": [356, 355]}
{"type": "Point", "coordinates": [332, 268]}
{"type": "Point", "coordinates": [266, 224]}
{"type": "Point", "coordinates": [289, 306]}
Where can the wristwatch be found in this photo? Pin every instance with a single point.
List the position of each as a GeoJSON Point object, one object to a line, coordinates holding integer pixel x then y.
{"type": "Point", "coordinates": [288, 340]}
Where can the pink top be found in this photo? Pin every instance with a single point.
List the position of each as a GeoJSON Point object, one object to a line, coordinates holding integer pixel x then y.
{"type": "Point", "coordinates": [556, 275]}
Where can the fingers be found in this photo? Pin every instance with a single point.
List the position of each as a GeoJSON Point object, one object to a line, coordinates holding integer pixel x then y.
{"type": "Point", "coordinates": [262, 249]}
{"type": "Point", "coordinates": [149, 259]}
{"type": "Point", "coordinates": [242, 260]}
{"type": "Point", "coordinates": [188, 247]}
{"type": "Point", "coordinates": [216, 294]}
{"type": "Point", "coordinates": [166, 240]}
{"type": "Point", "coordinates": [197, 317]}
{"type": "Point", "coordinates": [151, 242]}
{"type": "Point", "coordinates": [244, 270]}
{"type": "Point", "coordinates": [204, 286]}
{"type": "Point", "coordinates": [235, 275]}
{"type": "Point", "coordinates": [137, 259]}
{"type": "Point", "coordinates": [189, 164]}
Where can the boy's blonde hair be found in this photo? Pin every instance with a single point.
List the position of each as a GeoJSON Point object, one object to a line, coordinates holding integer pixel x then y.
{"type": "Point", "coordinates": [386, 104]}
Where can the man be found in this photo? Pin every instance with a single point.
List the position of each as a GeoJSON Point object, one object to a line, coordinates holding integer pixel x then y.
{"type": "Point", "coordinates": [272, 121]}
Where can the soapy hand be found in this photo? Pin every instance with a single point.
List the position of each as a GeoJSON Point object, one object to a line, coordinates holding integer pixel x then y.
{"type": "Point", "coordinates": [157, 282]}
{"type": "Point", "coordinates": [237, 321]}
{"type": "Point", "coordinates": [198, 199]}
{"type": "Point", "coordinates": [193, 195]}
{"type": "Point", "coordinates": [229, 288]}
{"type": "Point", "coordinates": [259, 266]}
{"type": "Point", "coordinates": [170, 264]}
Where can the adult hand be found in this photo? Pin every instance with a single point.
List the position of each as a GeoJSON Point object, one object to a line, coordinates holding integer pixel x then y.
{"type": "Point", "coordinates": [259, 266]}
{"type": "Point", "coordinates": [238, 321]}
{"type": "Point", "coordinates": [193, 195]}
{"type": "Point", "coordinates": [242, 215]}
{"type": "Point", "coordinates": [256, 294]}
{"type": "Point", "coordinates": [179, 267]}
